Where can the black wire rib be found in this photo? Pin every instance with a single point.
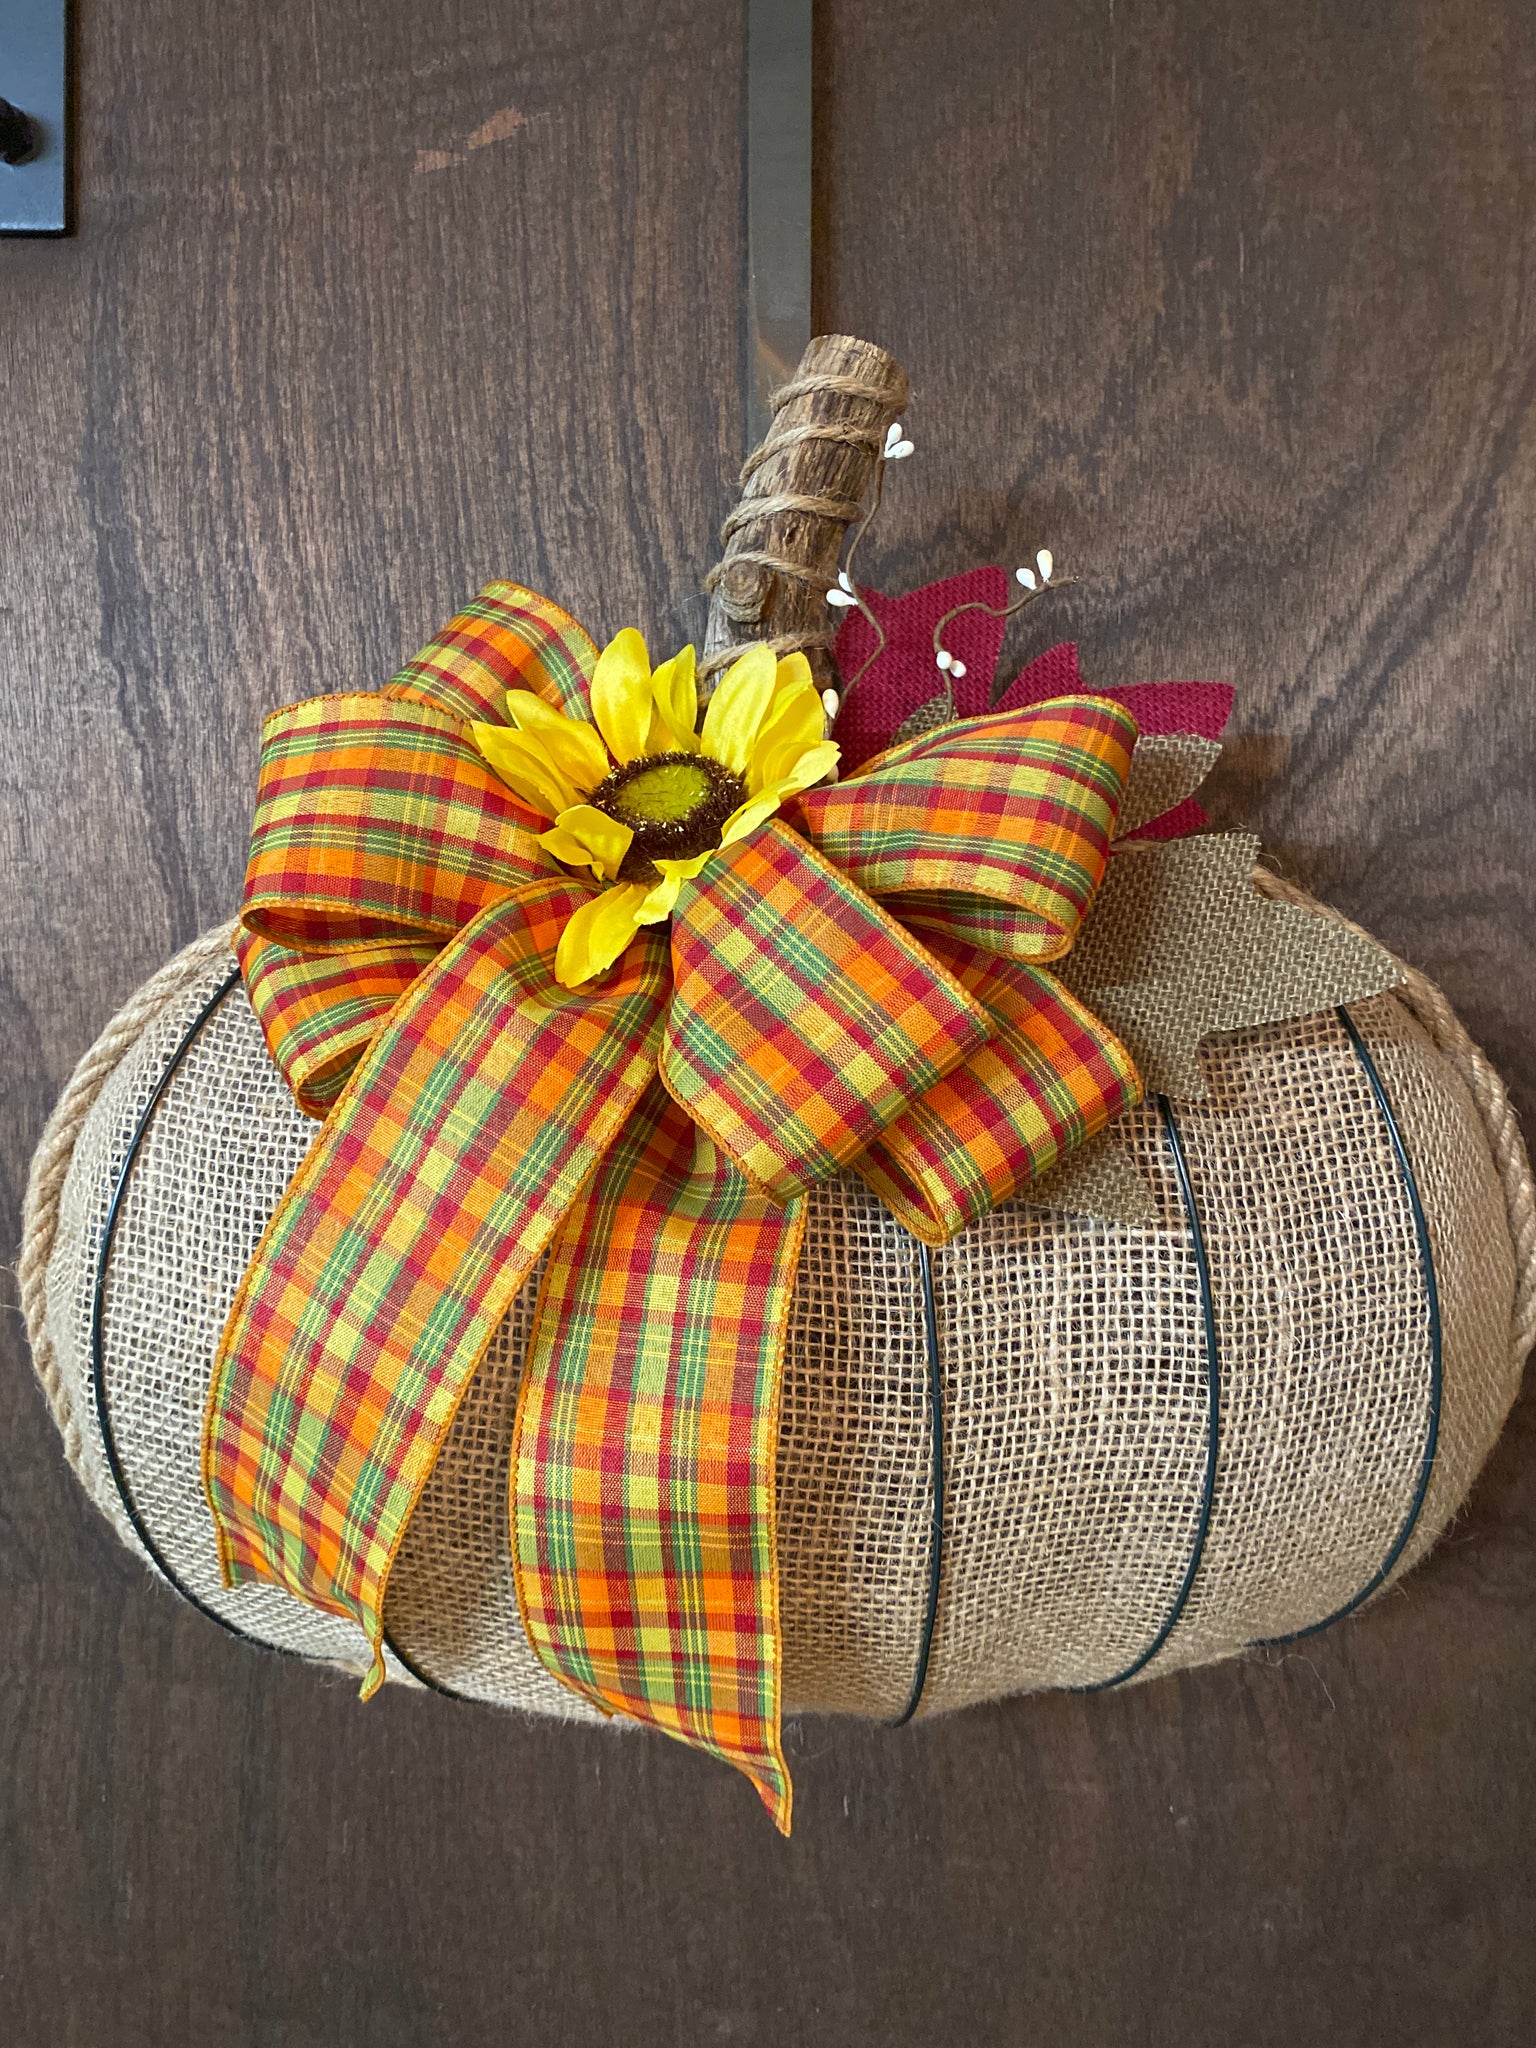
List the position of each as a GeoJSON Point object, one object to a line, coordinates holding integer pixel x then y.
{"type": "Point", "coordinates": [936, 1538]}
{"type": "Point", "coordinates": [98, 1320]}
{"type": "Point", "coordinates": [424, 1677]}
{"type": "Point", "coordinates": [99, 1370]}
{"type": "Point", "coordinates": [1212, 1411]}
{"type": "Point", "coordinates": [1436, 1348]}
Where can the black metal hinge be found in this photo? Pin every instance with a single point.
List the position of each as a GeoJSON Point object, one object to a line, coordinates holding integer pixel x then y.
{"type": "Point", "coordinates": [34, 98]}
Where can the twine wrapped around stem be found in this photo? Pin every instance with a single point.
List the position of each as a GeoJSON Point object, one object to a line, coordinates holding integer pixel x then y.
{"type": "Point", "coordinates": [801, 490]}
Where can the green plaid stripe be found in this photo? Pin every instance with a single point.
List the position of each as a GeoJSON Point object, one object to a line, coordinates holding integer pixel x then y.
{"type": "Point", "coordinates": [643, 1466]}
{"type": "Point", "coordinates": [508, 638]}
{"type": "Point", "coordinates": [376, 820]}
{"type": "Point", "coordinates": [1051, 1078]}
{"type": "Point", "coordinates": [319, 1011]}
{"type": "Point", "coordinates": [458, 1144]}
{"type": "Point", "coordinates": [803, 1018]}
{"type": "Point", "coordinates": [1017, 809]}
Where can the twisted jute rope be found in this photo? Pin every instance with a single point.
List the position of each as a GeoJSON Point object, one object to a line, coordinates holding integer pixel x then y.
{"type": "Point", "coordinates": [750, 512]}
{"type": "Point", "coordinates": [50, 1164]}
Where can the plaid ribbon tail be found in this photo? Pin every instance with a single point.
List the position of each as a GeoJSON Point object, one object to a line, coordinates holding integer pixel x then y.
{"type": "Point", "coordinates": [643, 1459]}
{"type": "Point", "coordinates": [461, 1139]}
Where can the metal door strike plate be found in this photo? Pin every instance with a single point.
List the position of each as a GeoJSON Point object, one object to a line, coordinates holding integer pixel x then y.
{"type": "Point", "coordinates": [34, 186]}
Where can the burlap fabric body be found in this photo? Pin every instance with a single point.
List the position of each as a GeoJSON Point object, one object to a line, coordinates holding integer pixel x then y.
{"type": "Point", "coordinates": [1074, 1365]}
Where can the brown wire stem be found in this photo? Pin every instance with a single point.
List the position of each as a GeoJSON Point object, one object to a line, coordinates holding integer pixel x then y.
{"type": "Point", "coordinates": [993, 611]}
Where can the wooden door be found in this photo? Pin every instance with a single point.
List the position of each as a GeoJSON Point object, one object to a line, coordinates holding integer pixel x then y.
{"type": "Point", "coordinates": [1233, 307]}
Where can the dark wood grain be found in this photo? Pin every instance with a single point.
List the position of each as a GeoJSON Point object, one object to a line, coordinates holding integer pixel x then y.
{"type": "Point", "coordinates": [1232, 306]}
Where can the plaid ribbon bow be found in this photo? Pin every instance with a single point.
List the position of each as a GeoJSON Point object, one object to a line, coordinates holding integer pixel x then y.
{"type": "Point", "coordinates": [862, 989]}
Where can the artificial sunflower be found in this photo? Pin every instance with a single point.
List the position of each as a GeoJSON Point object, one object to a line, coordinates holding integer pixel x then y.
{"type": "Point", "coordinates": [647, 796]}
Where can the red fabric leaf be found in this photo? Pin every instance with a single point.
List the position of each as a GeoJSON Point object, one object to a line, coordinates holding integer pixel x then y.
{"type": "Point", "coordinates": [1156, 707]}
{"type": "Point", "coordinates": [903, 675]}
{"type": "Point", "coordinates": [1203, 708]}
{"type": "Point", "coordinates": [1178, 823]}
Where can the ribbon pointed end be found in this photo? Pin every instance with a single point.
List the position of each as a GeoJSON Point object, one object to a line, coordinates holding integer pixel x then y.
{"type": "Point", "coordinates": [377, 1672]}
{"type": "Point", "coordinates": [777, 1795]}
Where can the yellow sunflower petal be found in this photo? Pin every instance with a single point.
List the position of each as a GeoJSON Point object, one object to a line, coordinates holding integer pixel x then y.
{"type": "Point", "coordinates": [795, 766]}
{"type": "Point", "coordinates": [738, 707]}
{"type": "Point", "coordinates": [584, 837]}
{"type": "Point", "coordinates": [747, 817]}
{"type": "Point", "coordinates": [525, 768]}
{"type": "Point", "coordinates": [685, 870]}
{"type": "Point", "coordinates": [676, 712]}
{"type": "Point", "coordinates": [810, 766]}
{"type": "Point", "coordinates": [570, 743]}
{"type": "Point", "coordinates": [797, 720]}
{"type": "Point", "coordinates": [792, 675]}
{"type": "Point", "coordinates": [597, 934]}
{"type": "Point", "coordinates": [662, 899]}
{"type": "Point", "coordinates": [621, 695]}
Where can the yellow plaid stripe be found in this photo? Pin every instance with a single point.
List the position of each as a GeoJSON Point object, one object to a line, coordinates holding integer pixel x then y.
{"type": "Point", "coordinates": [1018, 810]}
{"type": "Point", "coordinates": [643, 1466]}
{"type": "Point", "coordinates": [319, 1012]}
{"type": "Point", "coordinates": [803, 1018]}
{"type": "Point", "coordinates": [1051, 1078]}
{"type": "Point", "coordinates": [459, 1143]}
{"type": "Point", "coordinates": [509, 638]}
{"type": "Point", "coordinates": [378, 819]}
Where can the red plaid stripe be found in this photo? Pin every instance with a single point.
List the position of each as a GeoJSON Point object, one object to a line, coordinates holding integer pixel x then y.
{"type": "Point", "coordinates": [1010, 930]}
{"type": "Point", "coordinates": [319, 1011]}
{"type": "Point", "coordinates": [1020, 809]}
{"type": "Point", "coordinates": [803, 1018]}
{"type": "Point", "coordinates": [377, 820]}
{"type": "Point", "coordinates": [643, 1465]}
{"type": "Point", "coordinates": [460, 1141]}
{"type": "Point", "coordinates": [508, 638]}
{"type": "Point", "coordinates": [1050, 1079]}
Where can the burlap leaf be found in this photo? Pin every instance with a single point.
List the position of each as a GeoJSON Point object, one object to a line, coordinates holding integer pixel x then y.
{"type": "Point", "coordinates": [1099, 1180]}
{"type": "Point", "coordinates": [1179, 944]}
{"type": "Point", "coordinates": [1166, 767]}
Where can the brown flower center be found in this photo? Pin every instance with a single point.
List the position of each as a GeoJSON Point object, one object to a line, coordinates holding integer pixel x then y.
{"type": "Point", "coordinates": [675, 804]}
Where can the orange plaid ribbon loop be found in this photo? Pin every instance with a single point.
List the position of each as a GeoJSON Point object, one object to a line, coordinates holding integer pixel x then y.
{"type": "Point", "coordinates": [861, 982]}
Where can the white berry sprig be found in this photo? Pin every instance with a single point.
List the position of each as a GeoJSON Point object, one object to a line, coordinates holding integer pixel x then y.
{"type": "Point", "coordinates": [845, 594]}
{"type": "Point", "coordinates": [1033, 585]}
{"type": "Point", "coordinates": [1045, 563]}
